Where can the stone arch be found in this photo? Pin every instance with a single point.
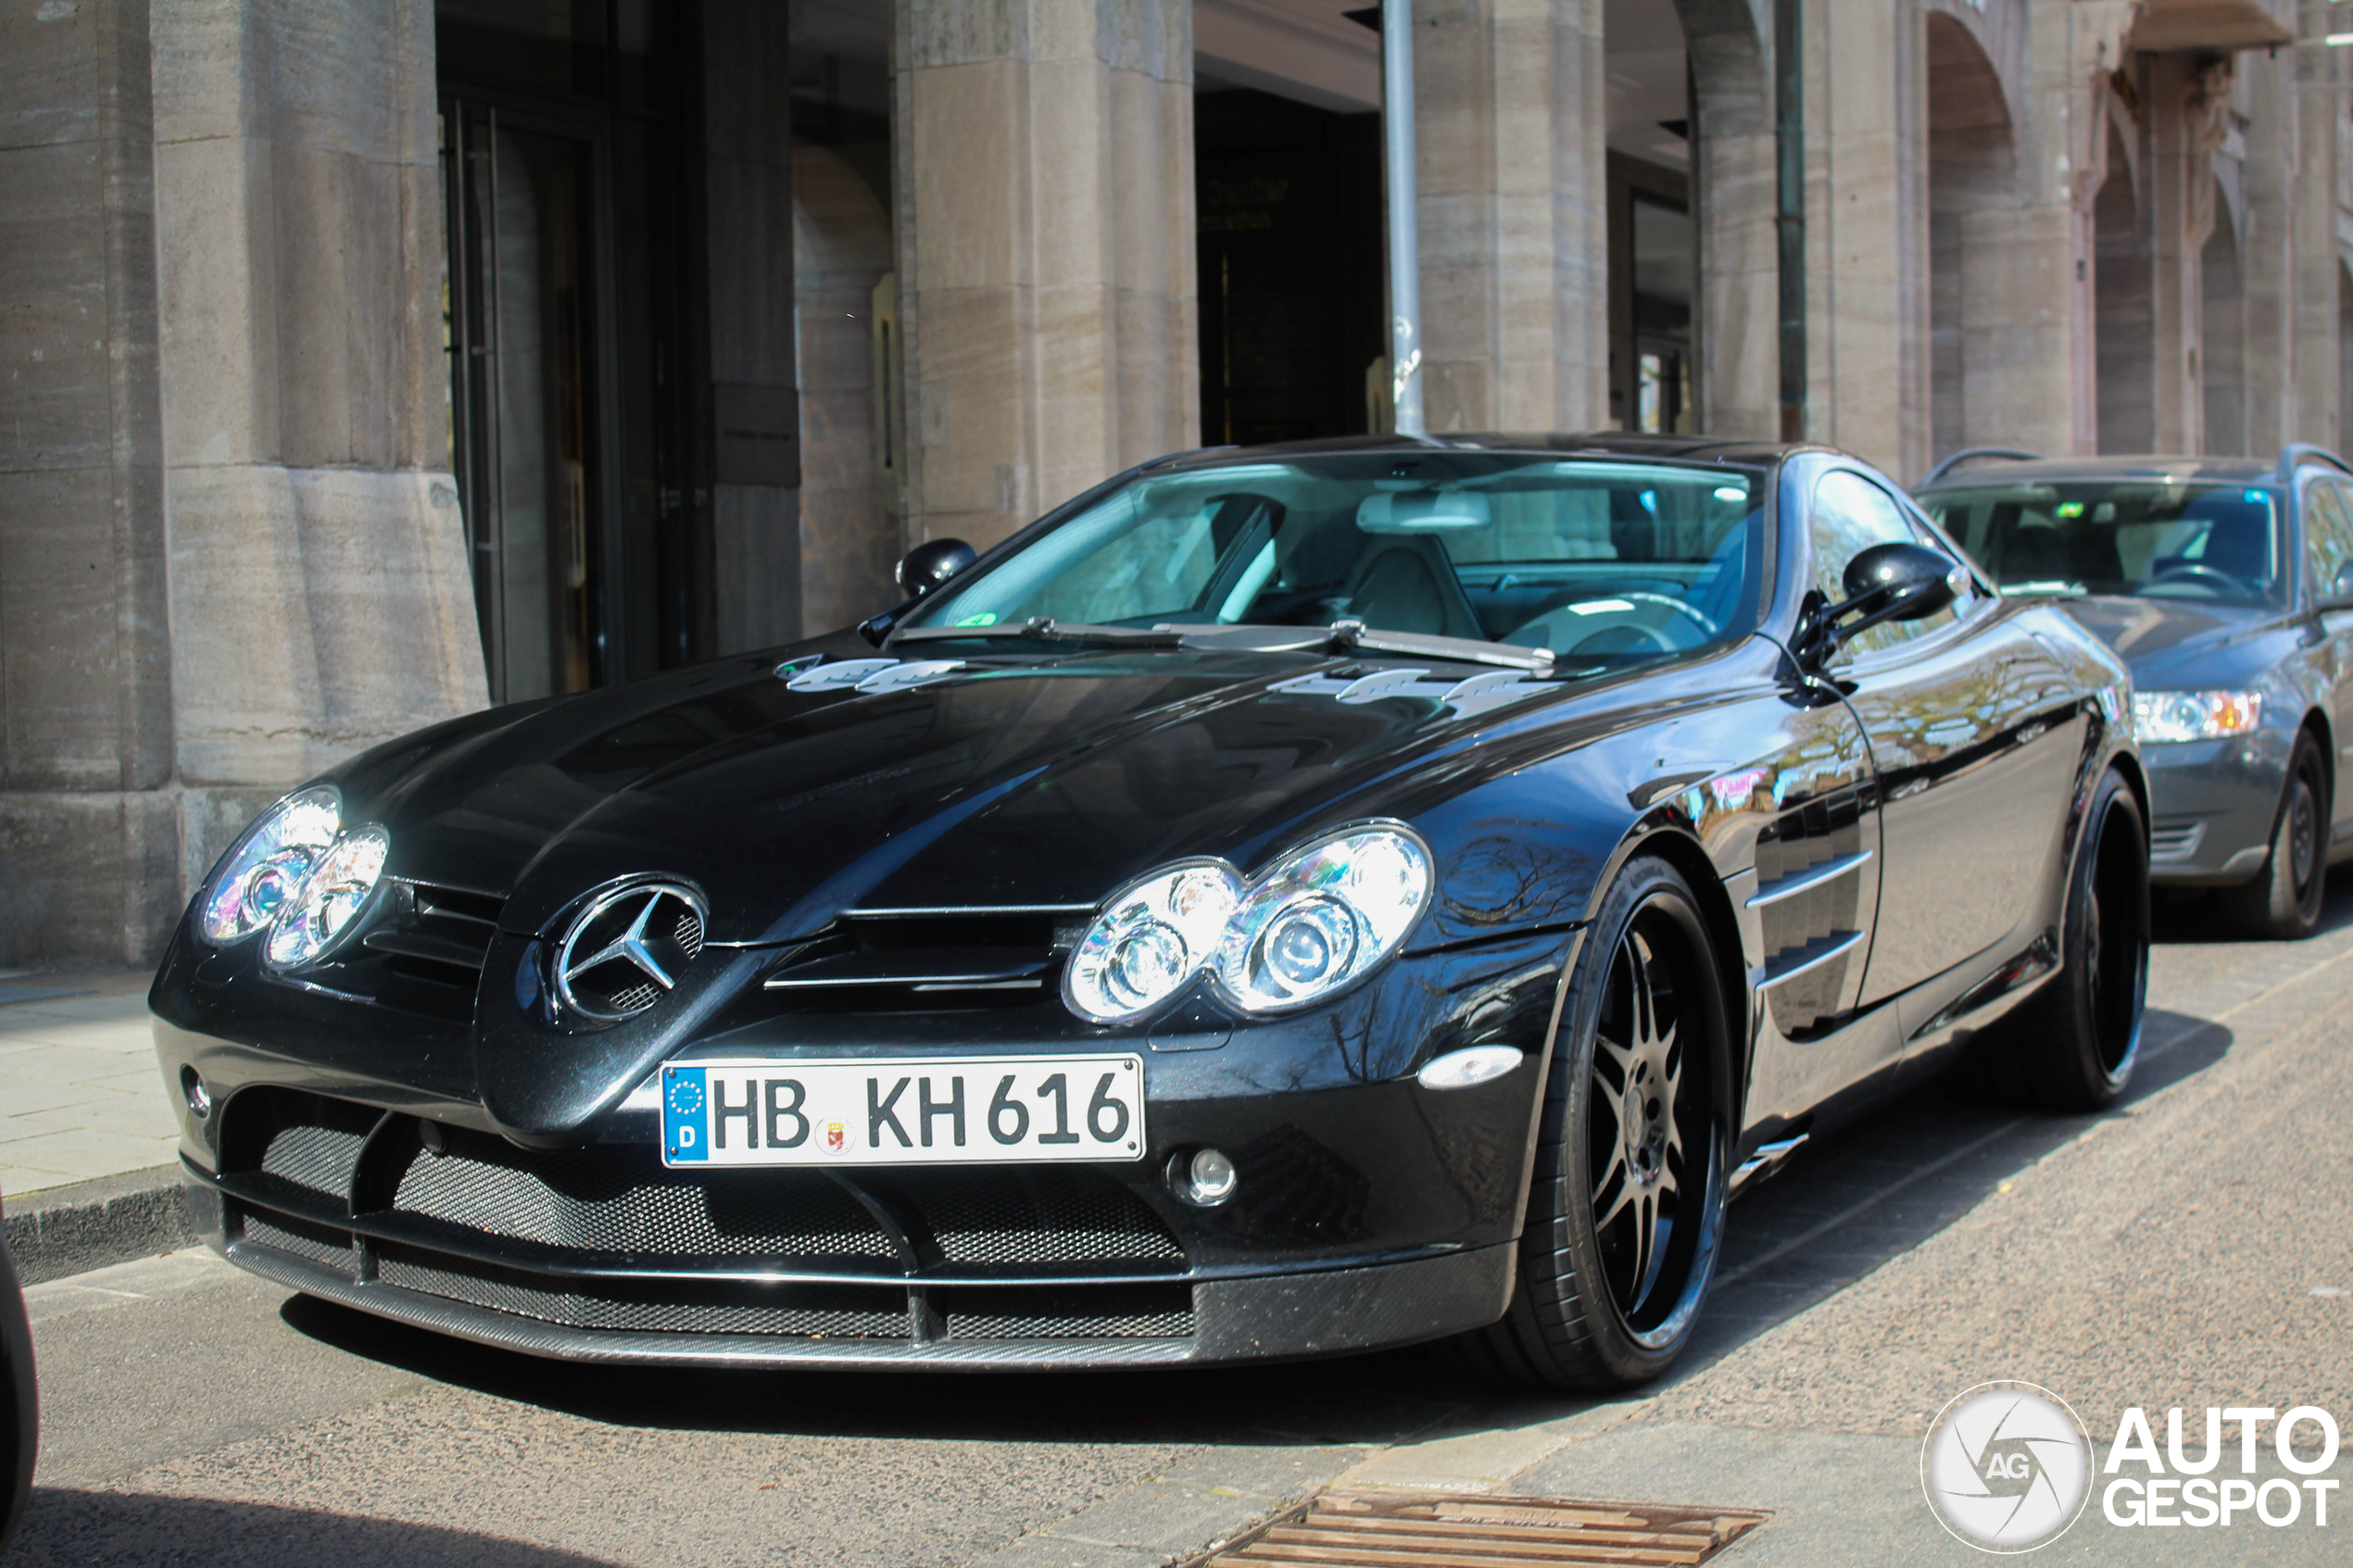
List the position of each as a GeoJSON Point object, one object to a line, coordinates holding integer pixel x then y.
{"type": "Point", "coordinates": [1736, 307]}
{"type": "Point", "coordinates": [841, 249]}
{"type": "Point", "coordinates": [2223, 331]}
{"type": "Point", "coordinates": [2124, 307]}
{"type": "Point", "coordinates": [1972, 179]}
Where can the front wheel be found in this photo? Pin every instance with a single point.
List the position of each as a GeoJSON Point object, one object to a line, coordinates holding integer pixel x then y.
{"type": "Point", "coordinates": [2284, 901]}
{"type": "Point", "coordinates": [1627, 1203]}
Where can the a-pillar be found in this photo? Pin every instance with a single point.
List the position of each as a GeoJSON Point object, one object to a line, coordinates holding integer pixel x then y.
{"type": "Point", "coordinates": [1048, 309]}
{"type": "Point", "coordinates": [1513, 214]}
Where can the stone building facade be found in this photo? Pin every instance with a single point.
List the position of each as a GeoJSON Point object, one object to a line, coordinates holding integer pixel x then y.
{"type": "Point", "coordinates": [368, 360]}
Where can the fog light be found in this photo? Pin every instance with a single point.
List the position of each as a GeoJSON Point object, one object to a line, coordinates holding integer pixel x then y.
{"type": "Point", "coordinates": [199, 1097]}
{"type": "Point", "coordinates": [1206, 1180]}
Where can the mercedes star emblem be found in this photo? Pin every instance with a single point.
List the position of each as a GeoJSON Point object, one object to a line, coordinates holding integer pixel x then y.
{"type": "Point", "coordinates": [627, 949]}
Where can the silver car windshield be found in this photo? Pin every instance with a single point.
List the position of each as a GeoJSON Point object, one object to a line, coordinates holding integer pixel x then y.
{"type": "Point", "coordinates": [2147, 538]}
{"type": "Point", "coordinates": [1600, 563]}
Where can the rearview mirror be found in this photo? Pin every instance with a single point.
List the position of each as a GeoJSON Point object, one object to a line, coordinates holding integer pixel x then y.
{"type": "Point", "coordinates": [931, 563]}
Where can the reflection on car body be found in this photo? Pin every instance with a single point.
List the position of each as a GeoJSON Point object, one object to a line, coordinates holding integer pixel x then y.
{"type": "Point", "coordinates": [1479, 856]}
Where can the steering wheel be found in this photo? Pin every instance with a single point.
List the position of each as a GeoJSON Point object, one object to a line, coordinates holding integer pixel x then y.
{"type": "Point", "coordinates": [1612, 639]}
{"type": "Point", "coordinates": [2192, 568]}
{"type": "Point", "coordinates": [1680, 607]}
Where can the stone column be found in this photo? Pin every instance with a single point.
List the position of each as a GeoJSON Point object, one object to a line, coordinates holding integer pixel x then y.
{"type": "Point", "coordinates": [1514, 217]}
{"type": "Point", "coordinates": [320, 600]}
{"type": "Point", "coordinates": [755, 493]}
{"type": "Point", "coordinates": [1737, 312]}
{"type": "Point", "coordinates": [89, 833]}
{"type": "Point", "coordinates": [1867, 252]}
{"type": "Point", "coordinates": [2188, 110]}
{"type": "Point", "coordinates": [2321, 177]}
{"type": "Point", "coordinates": [1048, 307]}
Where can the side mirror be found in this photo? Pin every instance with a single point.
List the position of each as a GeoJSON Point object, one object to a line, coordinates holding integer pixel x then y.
{"type": "Point", "coordinates": [931, 563]}
{"type": "Point", "coordinates": [1917, 582]}
{"type": "Point", "coordinates": [1891, 581]}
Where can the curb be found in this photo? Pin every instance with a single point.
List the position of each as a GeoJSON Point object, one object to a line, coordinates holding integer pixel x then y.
{"type": "Point", "coordinates": [70, 1230]}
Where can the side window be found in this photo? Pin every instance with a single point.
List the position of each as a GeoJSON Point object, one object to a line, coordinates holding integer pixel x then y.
{"type": "Point", "coordinates": [1851, 514]}
{"type": "Point", "coordinates": [2328, 533]}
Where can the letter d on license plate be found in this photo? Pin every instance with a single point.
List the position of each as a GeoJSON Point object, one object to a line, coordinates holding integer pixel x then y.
{"type": "Point", "coordinates": [967, 1111]}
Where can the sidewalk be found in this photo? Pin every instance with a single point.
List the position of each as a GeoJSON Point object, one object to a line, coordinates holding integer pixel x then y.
{"type": "Point", "coordinates": [80, 1094]}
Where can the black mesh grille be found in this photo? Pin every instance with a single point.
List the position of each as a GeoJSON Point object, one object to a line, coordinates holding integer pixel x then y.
{"type": "Point", "coordinates": [318, 1244]}
{"type": "Point", "coordinates": [1013, 1217]}
{"type": "Point", "coordinates": [621, 1200]}
{"type": "Point", "coordinates": [1151, 1311]}
{"type": "Point", "coordinates": [690, 1308]}
{"type": "Point", "coordinates": [308, 1141]}
{"type": "Point", "coordinates": [318, 1157]}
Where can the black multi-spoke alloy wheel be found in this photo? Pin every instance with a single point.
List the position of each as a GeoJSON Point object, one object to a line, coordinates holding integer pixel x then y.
{"type": "Point", "coordinates": [2071, 1046]}
{"type": "Point", "coordinates": [1627, 1204]}
{"type": "Point", "coordinates": [2283, 901]}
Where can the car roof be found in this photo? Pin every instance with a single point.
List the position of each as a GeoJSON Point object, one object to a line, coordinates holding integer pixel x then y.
{"type": "Point", "coordinates": [2138, 466]}
{"type": "Point", "coordinates": [1591, 443]}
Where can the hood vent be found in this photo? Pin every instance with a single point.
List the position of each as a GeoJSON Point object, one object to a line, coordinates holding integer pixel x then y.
{"type": "Point", "coordinates": [882, 958]}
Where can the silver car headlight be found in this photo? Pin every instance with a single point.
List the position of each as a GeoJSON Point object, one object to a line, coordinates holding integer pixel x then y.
{"type": "Point", "coordinates": [269, 865]}
{"type": "Point", "coordinates": [1315, 920]}
{"type": "Point", "coordinates": [2179, 716]}
{"type": "Point", "coordinates": [327, 907]}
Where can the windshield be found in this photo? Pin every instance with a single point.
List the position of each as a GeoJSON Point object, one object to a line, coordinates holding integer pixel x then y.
{"type": "Point", "coordinates": [1600, 562]}
{"type": "Point", "coordinates": [2216, 543]}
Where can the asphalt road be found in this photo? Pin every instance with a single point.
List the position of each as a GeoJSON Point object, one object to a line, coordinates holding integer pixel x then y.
{"type": "Point", "coordinates": [2194, 1248]}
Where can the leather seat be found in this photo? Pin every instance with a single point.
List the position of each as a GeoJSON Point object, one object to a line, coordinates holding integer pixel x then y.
{"type": "Point", "coordinates": [1406, 583]}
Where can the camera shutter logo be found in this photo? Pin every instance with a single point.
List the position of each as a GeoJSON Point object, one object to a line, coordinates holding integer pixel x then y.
{"type": "Point", "coordinates": [2006, 1467]}
{"type": "Point", "coordinates": [627, 949]}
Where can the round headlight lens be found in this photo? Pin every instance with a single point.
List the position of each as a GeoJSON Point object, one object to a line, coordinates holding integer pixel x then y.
{"type": "Point", "coordinates": [327, 906]}
{"type": "Point", "coordinates": [1322, 916]}
{"type": "Point", "coordinates": [1153, 936]}
{"type": "Point", "coordinates": [268, 865]}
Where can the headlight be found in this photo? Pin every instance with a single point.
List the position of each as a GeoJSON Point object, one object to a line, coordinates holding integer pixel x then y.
{"type": "Point", "coordinates": [2178, 716]}
{"type": "Point", "coordinates": [331, 899]}
{"type": "Point", "coordinates": [268, 865]}
{"type": "Point", "coordinates": [1315, 920]}
{"type": "Point", "coordinates": [1153, 936]}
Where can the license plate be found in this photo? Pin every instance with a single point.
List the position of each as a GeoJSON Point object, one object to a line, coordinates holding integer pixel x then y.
{"type": "Point", "coordinates": [968, 1110]}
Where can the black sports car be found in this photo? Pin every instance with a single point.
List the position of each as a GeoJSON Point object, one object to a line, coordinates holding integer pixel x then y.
{"type": "Point", "coordinates": [1284, 900]}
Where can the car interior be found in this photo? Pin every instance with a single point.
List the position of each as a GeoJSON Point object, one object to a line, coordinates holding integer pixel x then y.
{"type": "Point", "coordinates": [2212, 542]}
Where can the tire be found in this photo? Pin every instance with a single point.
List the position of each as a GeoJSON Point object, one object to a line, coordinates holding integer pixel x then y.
{"type": "Point", "coordinates": [2284, 901]}
{"type": "Point", "coordinates": [2072, 1047]}
{"type": "Point", "coordinates": [1626, 1206]}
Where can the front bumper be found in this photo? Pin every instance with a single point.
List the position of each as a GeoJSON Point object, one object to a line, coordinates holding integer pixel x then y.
{"type": "Point", "coordinates": [1201, 1322]}
{"type": "Point", "coordinates": [2213, 804]}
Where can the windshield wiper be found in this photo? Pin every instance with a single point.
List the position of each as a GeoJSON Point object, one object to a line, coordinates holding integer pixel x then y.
{"type": "Point", "coordinates": [1340, 636]}
{"type": "Point", "coordinates": [1046, 628]}
{"type": "Point", "coordinates": [1350, 635]}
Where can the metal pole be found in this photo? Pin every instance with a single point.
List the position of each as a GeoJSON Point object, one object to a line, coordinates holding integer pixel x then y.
{"type": "Point", "coordinates": [1789, 215]}
{"type": "Point", "coordinates": [1405, 237]}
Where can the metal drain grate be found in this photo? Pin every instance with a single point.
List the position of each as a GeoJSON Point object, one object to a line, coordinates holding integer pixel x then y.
{"type": "Point", "coordinates": [1401, 1530]}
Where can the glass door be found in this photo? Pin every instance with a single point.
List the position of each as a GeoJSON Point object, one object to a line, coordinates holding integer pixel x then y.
{"type": "Point", "coordinates": [523, 338]}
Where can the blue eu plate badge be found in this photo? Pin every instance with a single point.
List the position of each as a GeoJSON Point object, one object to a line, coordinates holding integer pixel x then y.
{"type": "Point", "coordinates": [684, 1105]}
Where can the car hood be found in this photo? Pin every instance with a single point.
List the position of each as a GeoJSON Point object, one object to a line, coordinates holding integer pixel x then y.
{"type": "Point", "coordinates": [1009, 779]}
{"type": "Point", "coordinates": [2169, 641]}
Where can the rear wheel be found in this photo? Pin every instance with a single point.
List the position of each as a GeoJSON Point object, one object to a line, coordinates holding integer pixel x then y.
{"type": "Point", "coordinates": [1627, 1204]}
{"type": "Point", "coordinates": [2072, 1046]}
{"type": "Point", "coordinates": [2284, 901]}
